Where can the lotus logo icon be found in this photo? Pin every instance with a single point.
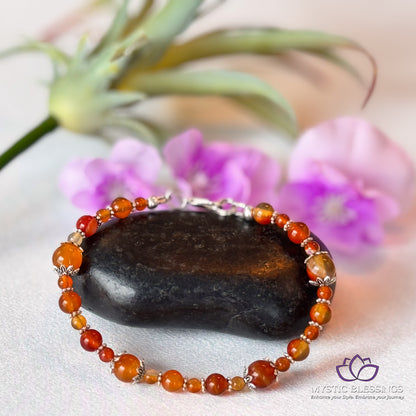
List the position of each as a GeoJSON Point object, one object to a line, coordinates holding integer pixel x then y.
{"type": "Point", "coordinates": [357, 368]}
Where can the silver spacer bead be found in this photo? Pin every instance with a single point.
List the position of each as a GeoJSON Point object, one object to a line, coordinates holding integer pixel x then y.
{"type": "Point", "coordinates": [247, 379]}
{"type": "Point", "coordinates": [274, 216]}
{"type": "Point", "coordinates": [111, 211]}
{"type": "Point", "coordinates": [140, 373]}
{"type": "Point", "coordinates": [202, 385]}
{"type": "Point", "coordinates": [185, 383]}
{"type": "Point", "coordinates": [289, 357]}
{"type": "Point", "coordinates": [86, 328]}
{"type": "Point", "coordinates": [248, 213]}
{"type": "Point", "coordinates": [305, 338]}
{"type": "Point", "coordinates": [75, 313]}
{"type": "Point", "coordinates": [159, 379]}
{"type": "Point", "coordinates": [230, 384]}
{"type": "Point", "coordinates": [287, 225]}
{"type": "Point", "coordinates": [100, 348]}
{"type": "Point", "coordinates": [313, 323]}
{"type": "Point", "coordinates": [61, 270]}
{"type": "Point", "coordinates": [320, 300]}
{"type": "Point", "coordinates": [306, 241]}
{"type": "Point", "coordinates": [68, 289]}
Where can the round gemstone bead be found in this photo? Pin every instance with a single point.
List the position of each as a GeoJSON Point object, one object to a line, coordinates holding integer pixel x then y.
{"type": "Point", "coordinates": [69, 302]}
{"type": "Point", "coordinates": [78, 322]}
{"type": "Point", "coordinates": [126, 367]}
{"type": "Point", "coordinates": [140, 203]}
{"type": "Point", "coordinates": [298, 349]}
{"type": "Point", "coordinates": [194, 385]}
{"type": "Point", "coordinates": [263, 213]}
{"type": "Point", "coordinates": [320, 313]}
{"type": "Point", "coordinates": [65, 282]}
{"type": "Point", "coordinates": [106, 355]}
{"type": "Point", "coordinates": [103, 215]}
{"type": "Point", "coordinates": [298, 232]}
{"type": "Point", "coordinates": [324, 292]}
{"type": "Point", "coordinates": [311, 332]}
{"type": "Point", "coordinates": [282, 364]}
{"type": "Point", "coordinates": [88, 225]}
{"type": "Point", "coordinates": [172, 380]}
{"type": "Point", "coordinates": [91, 340]}
{"type": "Point", "coordinates": [237, 383]}
{"type": "Point", "coordinates": [216, 384]}
{"type": "Point", "coordinates": [67, 255]}
{"type": "Point", "coordinates": [121, 207]}
{"type": "Point", "coordinates": [311, 247]}
{"type": "Point", "coordinates": [76, 238]}
{"type": "Point", "coordinates": [150, 376]}
{"type": "Point", "coordinates": [262, 373]}
{"type": "Point", "coordinates": [281, 220]}
{"type": "Point", "coordinates": [320, 265]}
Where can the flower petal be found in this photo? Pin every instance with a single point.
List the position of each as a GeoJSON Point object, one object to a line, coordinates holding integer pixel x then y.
{"type": "Point", "coordinates": [344, 373]}
{"type": "Point", "coordinates": [356, 364]}
{"type": "Point", "coordinates": [368, 372]}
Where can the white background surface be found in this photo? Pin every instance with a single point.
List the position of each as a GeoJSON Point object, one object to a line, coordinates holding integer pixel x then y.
{"type": "Point", "coordinates": [43, 370]}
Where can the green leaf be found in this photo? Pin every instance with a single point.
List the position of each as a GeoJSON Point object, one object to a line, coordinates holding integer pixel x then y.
{"type": "Point", "coordinates": [213, 82]}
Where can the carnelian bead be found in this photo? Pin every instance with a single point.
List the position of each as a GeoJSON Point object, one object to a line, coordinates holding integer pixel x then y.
{"type": "Point", "coordinates": [67, 255]}
{"type": "Point", "coordinates": [65, 282]}
{"type": "Point", "coordinates": [263, 213]}
{"type": "Point", "coordinates": [150, 376]}
{"type": "Point", "coordinates": [194, 385]}
{"type": "Point", "coordinates": [298, 349]}
{"type": "Point", "coordinates": [282, 364]}
{"type": "Point", "coordinates": [106, 355]}
{"type": "Point", "coordinates": [262, 373]}
{"type": "Point", "coordinates": [320, 265]}
{"type": "Point", "coordinates": [237, 383]}
{"type": "Point", "coordinates": [69, 302]}
{"type": "Point", "coordinates": [311, 247]}
{"type": "Point", "coordinates": [88, 225]}
{"type": "Point", "coordinates": [172, 380]}
{"type": "Point", "coordinates": [311, 332]}
{"type": "Point", "coordinates": [320, 313]}
{"type": "Point", "coordinates": [91, 340]}
{"type": "Point", "coordinates": [78, 322]}
{"type": "Point", "coordinates": [140, 203]}
{"type": "Point", "coordinates": [103, 214]}
{"type": "Point", "coordinates": [298, 232]}
{"type": "Point", "coordinates": [216, 384]}
{"type": "Point", "coordinates": [126, 367]}
{"type": "Point", "coordinates": [324, 292]}
{"type": "Point", "coordinates": [281, 220]}
{"type": "Point", "coordinates": [121, 207]}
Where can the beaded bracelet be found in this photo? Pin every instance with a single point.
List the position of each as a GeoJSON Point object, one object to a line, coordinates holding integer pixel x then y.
{"type": "Point", "coordinates": [128, 368]}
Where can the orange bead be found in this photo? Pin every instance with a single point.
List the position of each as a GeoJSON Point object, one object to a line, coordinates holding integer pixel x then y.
{"type": "Point", "coordinates": [311, 332]}
{"type": "Point", "coordinates": [311, 247]}
{"type": "Point", "coordinates": [281, 220]}
{"type": "Point", "coordinates": [88, 225]}
{"type": "Point", "coordinates": [282, 364]}
{"type": "Point", "coordinates": [140, 204]}
{"type": "Point", "coordinates": [91, 340]}
{"type": "Point", "coordinates": [103, 215]}
{"type": "Point", "coordinates": [150, 376]}
{"type": "Point", "coordinates": [216, 384]}
{"type": "Point", "coordinates": [237, 383]}
{"type": "Point", "coordinates": [320, 265]}
{"type": "Point", "coordinates": [121, 207]}
{"type": "Point", "coordinates": [78, 322]}
{"type": "Point", "coordinates": [298, 232]}
{"type": "Point", "coordinates": [194, 385]}
{"type": "Point", "coordinates": [324, 292]}
{"type": "Point", "coordinates": [106, 355]}
{"type": "Point", "coordinates": [69, 302]}
{"type": "Point", "coordinates": [320, 313]}
{"type": "Point", "coordinates": [298, 349]}
{"type": "Point", "coordinates": [263, 213]}
{"type": "Point", "coordinates": [67, 255]}
{"type": "Point", "coordinates": [262, 373]}
{"type": "Point", "coordinates": [65, 282]}
{"type": "Point", "coordinates": [172, 380]}
{"type": "Point", "coordinates": [126, 367]}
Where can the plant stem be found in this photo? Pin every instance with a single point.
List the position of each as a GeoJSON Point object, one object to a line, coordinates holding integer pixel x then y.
{"type": "Point", "coordinates": [45, 127]}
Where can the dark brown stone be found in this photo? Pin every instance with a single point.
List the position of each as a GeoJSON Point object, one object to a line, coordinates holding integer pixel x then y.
{"type": "Point", "coordinates": [198, 270]}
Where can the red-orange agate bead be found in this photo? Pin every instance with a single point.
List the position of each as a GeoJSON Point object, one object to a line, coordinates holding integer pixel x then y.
{"type": "Point", "coordinates": [103, 214]}
{"type": "Point", "coordinates": [106, 355]}
{"type": "Point", "coordinates": [298, 232]}
{"type": "Point", "coordinates": [172, 380]}
{"type": "Point", "coordinates": [67, 255]}
{"type": "Point", "coordinates": [311, 332]}
{"type": "Point", "coordinates": [65, 282]}
{"type": "Point", "coordinates": [262, 373]}
{"type": "Point", "coordinates": [140, 203]}
{"type": "Point", "coordinates": [216, 384]}
{"type": "Point", "coordinates": [69, 302]}
{"type": "Point", "coordinates": [312, 247]}
{"type": "Point", "coordinates": [88, 225]}
{"type": "Point", "coordinates": [282, 364]}
{"type": "Point", "coordinates": [298, 349]}
{"type": "Point", "coordinates": [320, 313]}
{"type": "Point", "coordinates": [281, 220]}
{"type": "Point", "coordinates": [194, 385]}
{"type": "Point", "coordinates": [324, 292]}
{"type": "Point", "coordinates": [263, 213]}
{"type": "Point", "coordinates": [126, 367]}
{"type": "Point", "coordinates": [121, 207]}
{"type": "Point", "coordinates": [91, 340]}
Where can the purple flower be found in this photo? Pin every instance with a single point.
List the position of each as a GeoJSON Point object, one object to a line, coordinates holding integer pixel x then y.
{"type": "Point", "coordinates": [131, 171]}
{"type": "Point", "coordinates": [357, 369]}
{"type": "Point", "coordinates": [346, 179]}
{"type": "Point", "coordinates": [219, 170]}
